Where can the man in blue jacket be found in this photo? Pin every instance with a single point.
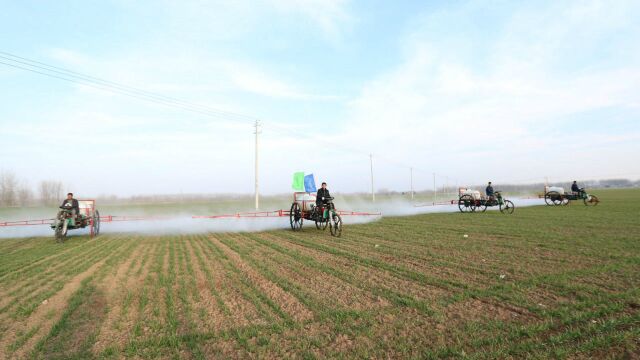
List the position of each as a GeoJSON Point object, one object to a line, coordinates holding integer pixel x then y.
{"type": "Point", "coordinates": [489, 191]}
{"type": "Point", "coordinates": [575, 189]}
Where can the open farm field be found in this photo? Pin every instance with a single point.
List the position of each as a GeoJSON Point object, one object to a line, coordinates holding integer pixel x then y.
{"type": "Point", "coordinates": [560, 282]}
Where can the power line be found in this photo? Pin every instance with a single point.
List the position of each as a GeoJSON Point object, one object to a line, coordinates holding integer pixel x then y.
{"type": "Point", "coordinates": [53, 71]}
{"type": "Point", "coordinates": [111, 86]}
{"type": "Point", "coordinates": [60, 73]}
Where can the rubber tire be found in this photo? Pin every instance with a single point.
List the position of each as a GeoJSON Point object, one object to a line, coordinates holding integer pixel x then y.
{"type": "Point", "coordinates": [335, 225]}
{"type": "Point", "coordinates": [61, 231]}
{"type": "Point", "coordinates": [295, 217]}
{"type": "Point", "coordinates": [553, 198]}
{"type": "Point", "coordinates": [466, 203]}
{"type": "Point", "coordinates": [96, 223]}
{"type": "Point", "coordinates": [592, 200]}
{"type": "Point", "coordinates": [507, 207]}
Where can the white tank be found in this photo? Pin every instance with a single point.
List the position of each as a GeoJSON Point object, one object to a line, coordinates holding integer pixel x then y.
{"type": "Point", "coordinates": [557, 189]}
{"type": "Point", "coordinates": [474, 193]}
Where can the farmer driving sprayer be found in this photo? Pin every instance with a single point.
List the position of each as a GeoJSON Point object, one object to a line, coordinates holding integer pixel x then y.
{"type": "Point", "coordinates": [323, 195]}
{"type": "Point", "coordinates": [576, 189]}
{"type": "Point", "coordinates": [70, 204]}
{"type": "Point", "coordinates": [489, 191]}
{"type": "Point", "coordinates": [319, 208]}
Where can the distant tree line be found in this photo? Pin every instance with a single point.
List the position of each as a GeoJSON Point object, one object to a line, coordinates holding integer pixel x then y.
{"type": "Point", "coordinates": [17, 192]}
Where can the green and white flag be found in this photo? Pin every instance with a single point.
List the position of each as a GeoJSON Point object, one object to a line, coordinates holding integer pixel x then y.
{"type": "Point", "coordinates": [298, 181]}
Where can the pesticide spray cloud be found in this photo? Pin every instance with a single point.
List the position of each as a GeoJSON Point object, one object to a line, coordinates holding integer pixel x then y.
{"type": "Point", "coordinates": [185, 224]}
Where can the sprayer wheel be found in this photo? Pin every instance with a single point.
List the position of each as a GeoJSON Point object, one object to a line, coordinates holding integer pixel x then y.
{"type": "Point", "coordinates": [295, 217]}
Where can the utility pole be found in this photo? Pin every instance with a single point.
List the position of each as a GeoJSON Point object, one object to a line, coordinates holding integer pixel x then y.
{"type": "Point", "coordinates": [411, 172]}
{"type": "Point", "coordinates": [434, 188]}
{"type": "Point", "coordinates": [373, 193]}
{"type": "Point", "coordinates": [256, 125]}
{"type": "Point", "coordinates": [446, 185]}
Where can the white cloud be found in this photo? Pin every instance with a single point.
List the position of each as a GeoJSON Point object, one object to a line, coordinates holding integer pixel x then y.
{"type": "Point", "coordinates": [448, 107]}
{"type": "Point", "coordinates": [439, 112]}
{"type": "Point", "coordinates": [251, 78]}
{"type": "Point", "coordinates": [331, 16]}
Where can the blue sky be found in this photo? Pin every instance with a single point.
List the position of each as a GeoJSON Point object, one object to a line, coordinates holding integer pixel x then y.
{"type": "Point", "coordinates": [472, 90]}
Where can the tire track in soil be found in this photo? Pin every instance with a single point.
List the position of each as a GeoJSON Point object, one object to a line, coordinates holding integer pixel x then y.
{"type": "Point", "coordinates": [115, 287]}
{"type": "Point", "coordinates": [39, 318]}
{"type": "Point", "coordinates": [285, 300]}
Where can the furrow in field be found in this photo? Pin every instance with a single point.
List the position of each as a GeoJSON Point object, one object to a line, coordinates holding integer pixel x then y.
{"type": "Point", "coordinates": [151, 312]}
{"type": "Point", "coordinates": [285, 300]}
{"type": "Point", "coordinates": [116, 290]}
{"type": "Point", "coordinates": [238, 310]}
{"type": "Point", "coordinates": [28, 298]}
{"type": "Point", "coordinates": [244, 309]}
{"type": "Point", "coordinates": [186, 281]}
{"type": "Point", "coordinates": [330, 289]}
{"type": "Point", "coordinates": [377, 282]}
{"type": "Point", "coordinates": [46, 251]}
{"type": "Point", "coordinates": [40, 275]}
{"type": "Point", "coordinates": [135, 314]}
{"type": "Point", "coordinates": [448, 272]}
{"type": "Point", "coordinates": [44, 316]}
{"type": "Point", "coordinates": [213, 312]}
{"type": "Point", "coordinates": [400, 272]}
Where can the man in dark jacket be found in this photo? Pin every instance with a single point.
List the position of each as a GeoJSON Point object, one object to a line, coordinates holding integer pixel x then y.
{"type": "Point", "coordinates": [489, 190]}
{"type": "Point", "coordinates": [574, 187]}
{"type": "Point", "coordinates": [71, 203]}
{"type": "Point", "coordinates": [322, 195]}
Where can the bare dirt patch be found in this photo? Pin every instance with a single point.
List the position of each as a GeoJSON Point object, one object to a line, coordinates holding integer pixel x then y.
{"type": "Point", "coordinates": [482, 310]}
